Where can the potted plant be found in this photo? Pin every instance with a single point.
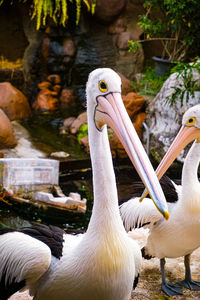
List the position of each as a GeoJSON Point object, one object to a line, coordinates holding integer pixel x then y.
{"type": "Point", "coordinates": [175, 24]}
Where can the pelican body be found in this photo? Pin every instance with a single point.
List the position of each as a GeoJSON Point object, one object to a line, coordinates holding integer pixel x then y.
{"type": "Point", "coordinates": [180, 235]}
{"type": "Point", "coordinates": [104, 263]}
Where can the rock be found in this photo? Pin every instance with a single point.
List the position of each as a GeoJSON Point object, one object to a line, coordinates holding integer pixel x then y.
{"type": "Point", "coordinates": [57, 88]}
{"type": "Point", "coordinates": [67, 98]}
{"type": "Point", "coordinates": [66, 125]}
{"type": "Point", "coordinates": [164, 120]}
{"type": "Point", "coordinates": [45, 48]}
{"type": "Point", "coordinates": [69, 47]}
{"type": "Point", "coordinates": [126, 84]}
{"type": "Point", "coordinates": [116, 147]}
{"type": "Point", "coordinates": [47, 98]}
{"type": "Point", "coordinates": [138, 124]}
{"type": "Point", "coordinates": [115, 144]}
{"type": "Point", "coordinates": [25, 147]}
{"type": "Point", "coordinates": [44, 85]}
{"type": "Point", "coordinates": [7, 135]}
{"type": "Point", "coordinates": [14, 76]}
{"type": "Point", "coordinates": [75, 196]}
{"type": "Point", "coordinates": [54, 79]}
{"type": "Point", "coordinates": [43, 196]}
{"type": "Point", "coordinates": [13, 102]}
{"type": "Point", "coordinates": [107, 11]}
{"type": "Point", "coordinates": [46, 101]}
{"type": "Point", "coordinates": [122, 40]}
{"type": "Point", "coordinates": [118, 26]}
{"type": "Point", "coordinates": [133, 103]}
{"type": "Point", "coordinates": [60, 154]}
{"type": "Point", "coordinates": [82, 118]}
{"type": "Point", "coordinates": [85, 142]}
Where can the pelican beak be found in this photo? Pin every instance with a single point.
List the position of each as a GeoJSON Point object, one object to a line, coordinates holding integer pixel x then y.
{"type": "Point", "coordinates": [110, 110]}
{"type": "Point", "coordinates": [185, 135]}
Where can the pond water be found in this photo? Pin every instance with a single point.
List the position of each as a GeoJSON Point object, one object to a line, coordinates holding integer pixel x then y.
{"type": "Point", "coordinates": [22, 216]}
{"type": "Point", "coordinates": [45, 128]}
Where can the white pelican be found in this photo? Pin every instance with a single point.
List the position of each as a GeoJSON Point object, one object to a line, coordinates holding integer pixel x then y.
{"type": "Point", "coordinates": [104, 263]}
{"type": "Point", "coordinates": [180, 236]}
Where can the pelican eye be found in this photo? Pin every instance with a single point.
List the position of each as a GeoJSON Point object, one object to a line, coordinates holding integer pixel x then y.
{"type": "Point", "coordinates": [103, 86]}
{"type": "Point", "coordinates": [191, 121]}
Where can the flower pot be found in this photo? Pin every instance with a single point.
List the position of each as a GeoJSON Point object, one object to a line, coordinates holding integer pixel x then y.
{"type": "Point", "coordinates": [163, 66]}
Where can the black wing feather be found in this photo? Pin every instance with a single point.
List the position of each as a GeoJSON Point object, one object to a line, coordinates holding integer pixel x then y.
{"type": "Point", "coordinates": [166, 184]}
{"type": "Point", "coordinates": [52, 236]}
{"type": "Point", "coordinates": [8, 290]}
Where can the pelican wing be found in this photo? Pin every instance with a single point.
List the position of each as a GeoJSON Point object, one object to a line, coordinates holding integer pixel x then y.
{"type": "Point", "coordinates": [170, 188]}
{"type": "Point", "coordinates": [26, 255]}
{"type": "Point", "coordinates": [137, 214]}
{"type": "Point", "coordinates": [52, 236]}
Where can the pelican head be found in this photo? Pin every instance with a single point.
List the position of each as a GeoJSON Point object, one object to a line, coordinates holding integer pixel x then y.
{"type": "Point", "coordinates": [189, 131]}
{"type": "Point", "coordinates": [105, 101]}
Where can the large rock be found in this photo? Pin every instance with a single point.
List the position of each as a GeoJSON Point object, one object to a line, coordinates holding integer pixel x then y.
{"type": "Point", "coordinates": [126, 84]}
{"type": "Point", "coordinates": [122, 40]}
{"type": "Point", "coordinates": [107, 11]}
{"type": "Point", "coordinates": [67, 98]}
{"type": "Point", "coordinates": [133, 103]}
{"type": "Point", "coordinates": [26, 147]}
{"type": "Point", "coordinates": [47, 98]}
{"type": "Point", "coordinates": [118, 26]}
{"type": "Point", "coordinates": [164, 119]}
{"type": "Point", "coordinates": [7, 136]}
{"type": "Point", "coordinates": [13, 102]}
{"type": "Point", "coordinates": [80, 120]}
{"type": "Point", "coordinates": [138, 124]}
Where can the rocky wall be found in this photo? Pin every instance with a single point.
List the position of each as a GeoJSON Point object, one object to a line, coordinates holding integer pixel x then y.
{"type": "Point", "coordinates": [71, 52]}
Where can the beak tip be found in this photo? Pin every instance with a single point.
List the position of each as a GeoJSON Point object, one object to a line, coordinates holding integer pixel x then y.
{"type": "Point", "coordinates": [166, 215]}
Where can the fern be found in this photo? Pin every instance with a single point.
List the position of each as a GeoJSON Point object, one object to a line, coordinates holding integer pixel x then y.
{"type": "Point", "coordinates": [64, 16]}
{"type": "Point", "coordinates": [78, 11]}
{"type": "Point", "coordinates": [57, 10]}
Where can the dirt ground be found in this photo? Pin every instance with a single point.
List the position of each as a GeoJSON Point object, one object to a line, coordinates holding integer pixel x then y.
{"type": "Point", "coordinates": [149, 286]}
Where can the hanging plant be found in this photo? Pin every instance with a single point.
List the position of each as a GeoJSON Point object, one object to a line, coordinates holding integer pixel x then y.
{"type": "Point", "coordinates": [57, 10]}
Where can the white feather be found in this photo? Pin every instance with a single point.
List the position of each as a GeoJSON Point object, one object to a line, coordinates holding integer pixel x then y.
{"type": "Point", "coordinates": [102, 263]}
{"type": "Point", "coordinates": [23, 257]}
{"type": "Point", "coordinates": [135, 214]}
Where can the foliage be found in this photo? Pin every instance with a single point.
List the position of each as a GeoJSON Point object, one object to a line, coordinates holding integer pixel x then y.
{"type": "Point", "coordinates": [174, 22]}
{"type": "Point", "coordinates": [150, 83]}
{"type": "Point", "coordinates": [83, 131]}
{"type": "Point", "coordinates": [188, 84]}
{"type": "Point", "coordinates": [5, 64]}
{"type": "Point", "coordinates": [57, 10]}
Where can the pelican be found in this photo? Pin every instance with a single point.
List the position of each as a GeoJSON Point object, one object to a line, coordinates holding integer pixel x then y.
{"type": "Point", "coordinates": [180, 235]}
{"type": "Point", "coordinates": [103, 263]}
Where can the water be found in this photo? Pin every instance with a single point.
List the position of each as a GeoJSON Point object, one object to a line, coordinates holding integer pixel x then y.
{"type": "Point", "coordinates": [44, 129]}
{"type": "Point", "coordinates": [17, 217]}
